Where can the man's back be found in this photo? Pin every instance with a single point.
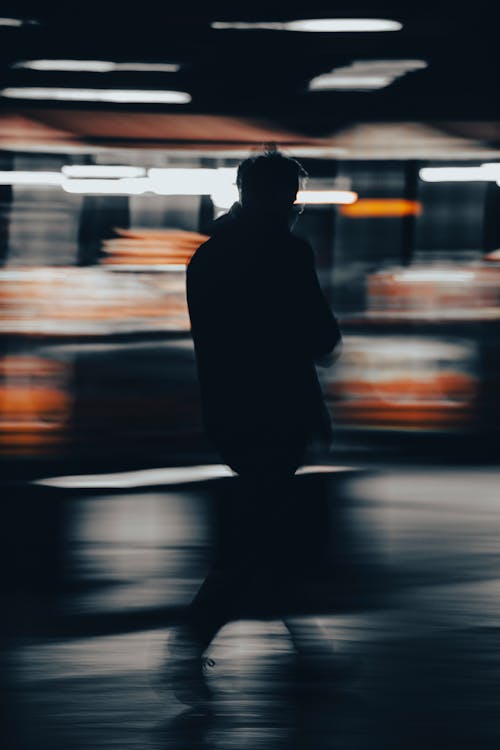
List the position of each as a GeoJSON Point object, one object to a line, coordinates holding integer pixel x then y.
{"type": "Point", "coordinates": [258, 319]}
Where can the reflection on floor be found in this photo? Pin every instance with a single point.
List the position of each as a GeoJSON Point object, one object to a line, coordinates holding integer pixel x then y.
{"type": "Point", "coordinates": [428, 654]}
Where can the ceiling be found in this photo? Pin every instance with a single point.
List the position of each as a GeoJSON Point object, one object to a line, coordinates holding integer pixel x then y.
{"type": "Point", "coordinates": [250, 86]}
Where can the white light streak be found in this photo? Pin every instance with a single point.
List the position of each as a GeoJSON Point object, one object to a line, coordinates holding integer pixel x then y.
{"type": "Point", "coordinates": [31, 178]}
{"type": "Point", "coordinates": [101, 170]}
{"type": "Point", "coordinates": [320, 25]}
{"type": "Point", "coordinates": [191, 181]}
{"type": "Point", "coordinates": [11, 22]}
{"type": "Point", "coordinates": [170, 475]}
{"type": "Point", "coordinates": [343, 25]}
{"type": "Point", "coordinates": [437, 274]}
{"type": "Point", "coordinates": [365, 74]}
{"type": "Point", "coordinates": [331, 82]}
{"type": "Point", "coordinates": [130, 96]}
{"type": "Point", "coordinates": [97, 66]}
{"type": "Point", "coordinates": [326, 197]}
{"type": "Point", "coordinates": [492, 169]}
{"type": "Point", "coordinates": [124, 186]}
{"type": "Point", "coordinates": [457, 174]}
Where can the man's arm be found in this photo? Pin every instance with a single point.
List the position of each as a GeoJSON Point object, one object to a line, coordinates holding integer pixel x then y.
{"type": "Point", "coordinates": [322, 329]}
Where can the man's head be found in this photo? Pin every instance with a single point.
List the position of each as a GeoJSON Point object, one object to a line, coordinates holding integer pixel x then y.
{"type": "Point", "coordinates": [269, 182]}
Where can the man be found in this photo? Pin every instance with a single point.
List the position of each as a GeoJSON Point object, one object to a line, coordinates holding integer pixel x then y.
{"type": "Point", "coordinates": [259, 322]}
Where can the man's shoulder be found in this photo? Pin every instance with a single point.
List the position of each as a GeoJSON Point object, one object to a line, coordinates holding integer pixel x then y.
{"type": "Point", "coordinates": [201, 253]}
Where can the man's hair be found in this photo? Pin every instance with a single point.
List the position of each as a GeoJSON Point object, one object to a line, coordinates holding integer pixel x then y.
{"type": "Point", "coordinates": [270, 177]}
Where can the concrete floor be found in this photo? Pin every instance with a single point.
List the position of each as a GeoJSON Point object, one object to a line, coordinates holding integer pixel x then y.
{"type": "Point", "coordinates": [80, 658]}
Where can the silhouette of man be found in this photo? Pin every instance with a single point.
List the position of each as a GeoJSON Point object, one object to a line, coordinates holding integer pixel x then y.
{"type": "Point", "coordinates": [259, 321]}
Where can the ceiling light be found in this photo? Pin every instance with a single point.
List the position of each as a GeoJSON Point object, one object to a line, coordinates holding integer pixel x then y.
{"type": "Point", "coordinates": [343, 25]}
{"type": "Point", "coordinates": [96, 66]}
{"type": "Point", "coordinates": [321, 25]}
{"type": "Point", "coordinates": [124, 186]}
{"type": "Point", "coordinates": [130, 96]}
{"type": "Point", "coordinates": [334, 81]}
{"type": "Point", "coordinates": [457, 174]}
{"type": "Point", "coordinates": [492, 169]}
{"type": "Point", "coordinates": [191, 181]}
{"type": "Point", "coordinates": [326, 197]}
{"type": "Point", "coordinates": [30, 178]}
{"type": "Point", "coordinates": [365, 74]}
{"type": "Point", "coordinates": [101, 170]}
{"type": "Point", "coordinates": [12, 22]}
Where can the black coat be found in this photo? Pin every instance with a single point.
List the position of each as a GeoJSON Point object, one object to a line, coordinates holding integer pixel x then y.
{"type": "Point", "coordinates": [259, 319]}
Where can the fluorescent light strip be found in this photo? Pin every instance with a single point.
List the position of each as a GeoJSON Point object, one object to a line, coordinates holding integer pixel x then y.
{"type": "Point", "coordinates": [191, 181]}
{"type": "Point", "coordinates": [365, 74]}
{"type": "Point", "coordinates": [31, 178]}
{"type": "Point", "coordinates": [142, 96]}
{"type": "Point", "coordinates": [124, 186]}
{"type": "Point", "coordinates": [351, 82]}
{"type": "Point", "coordinates": [11, 22]}
{"type": "Point", "coordinates": [101, 170]}
{"type": "Point", "coordinates": [319, 25]}
{"type": "Point", "coordinates": [97, 66]}
{"type": "Point", "coordinates": [325, 197]}
{"type": "Point", "coordinates": [460, 174]}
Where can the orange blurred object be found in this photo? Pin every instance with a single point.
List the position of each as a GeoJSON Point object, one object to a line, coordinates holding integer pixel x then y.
{"type": "Point", "coordinates": [381, 207]}
{"type": "Point", "coordinates": [35, 404]}
{"type": "Point", "coordinates": [151, 247]}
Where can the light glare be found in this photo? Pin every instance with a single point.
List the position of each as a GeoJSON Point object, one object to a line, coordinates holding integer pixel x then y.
{"type": "Point", "coordinates": [96, 66]}
{"type": "Point", "coordinates": [325, 197]}
{"type": "Point", "coordinates": [458, 174]}
{"type": "Point", "coordinates": [124, 186]}
{"type": "Point", "coordinates": [30, 178]}
{"type": "Point", "coordinates": [101, 170]}
{"type": "Point", "coordinates": [318, 25]}
{"type": "Point", "coordinates": [131, 96]}
{"type": "Point", "coordinates": [12, 22]}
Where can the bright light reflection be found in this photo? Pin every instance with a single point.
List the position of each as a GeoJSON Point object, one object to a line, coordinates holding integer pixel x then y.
{"type": "Point", "coordinates": [365, 74]}
{"type": "Point", "coordinates": [97, 66]}
{"type": "Point", "coordinates": [430, 274]}
{"type": "Point", "coordinates": [458, 174]}
{"type": "Point", "coordinates": [101, 170]}
{"type": "Point", "coordinates": [124, 186]}
{"type": "Point", "coordinates": [164, 476]}
{"type": "Point", "coordinates": [192, 181]}
{"type": "Point", "coordinates": [320, 25]}
{"type": "Point", "coordinates": [131, 96]}
{"type": "Point", "coordinates": [12, 22]}
{"type": "Point", "coordinates": [31, 178]}
{"type": "Point", "coordinates": [334, 81]}
{"type": "Point", "coordinates": [322, 197]}
{"type": "Point", "coordinates": [343, 24]}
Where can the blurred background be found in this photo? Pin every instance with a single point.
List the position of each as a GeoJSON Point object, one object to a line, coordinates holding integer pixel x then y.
{"type": "Point", "coordinates": [119, 137]}
{"type": "Point", "coordinates": [121, 127]}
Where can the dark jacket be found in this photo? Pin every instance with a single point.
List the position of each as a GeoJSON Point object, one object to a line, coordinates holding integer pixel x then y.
{"type": "Point", "coordinates": [258, 320]}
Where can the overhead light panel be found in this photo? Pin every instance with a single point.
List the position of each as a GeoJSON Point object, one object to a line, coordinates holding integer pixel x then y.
{"type": "Point", "coordinates": [318, 25]}
{"type": "Point", "coordinates": [365, 75]}
{"type": "Point", "coordinates": [14, 177]}
{"type": "Point", "coordinates": [117, 96]}
{"type": "Point", "coordinates": [326, 197]}
{"type": "Point", "coordinates": [124, 186]}
{"type": "Point", "coordinates": [11, 22]}
{"type": "Point", "coordinates": [101, 170]}
{"type": "Point", "coordinates": [96, 66]}
{"type": "Point", "coordinates": [484, 173]}
{"type": "Point", "coordinates": [190, 181]}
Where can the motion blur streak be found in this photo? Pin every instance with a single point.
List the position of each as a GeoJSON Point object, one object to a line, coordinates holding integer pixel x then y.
{"type": "Point", "coordinates": [387, 207]}
{"type": "Point", "coordinates": [415, 594]}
